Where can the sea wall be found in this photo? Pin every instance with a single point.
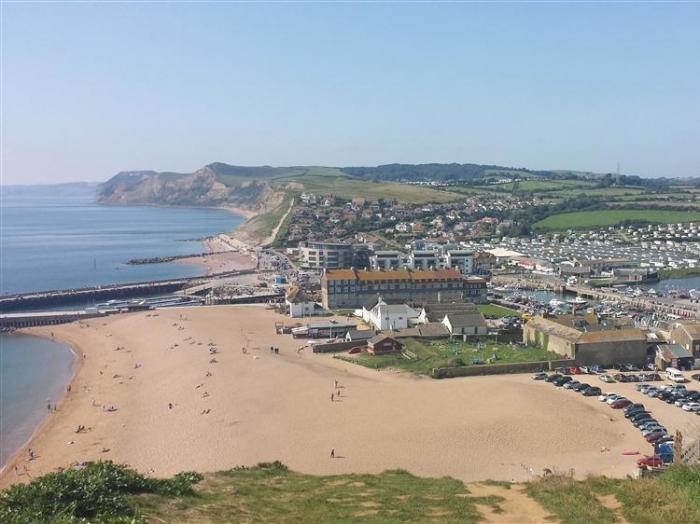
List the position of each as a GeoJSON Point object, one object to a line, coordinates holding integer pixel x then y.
{"type": "Point", "coordinates": [499, 369]}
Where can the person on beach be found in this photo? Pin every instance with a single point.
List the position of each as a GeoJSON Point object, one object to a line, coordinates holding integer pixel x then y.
{"type": "Point", "coordinates": [48, 404]}
{"type": "Point", "coordinates": [333, 453]}
{"type": "Point", "coordinates": [170, 405]}
{"type": "Point", "coordinates": [332, 397]}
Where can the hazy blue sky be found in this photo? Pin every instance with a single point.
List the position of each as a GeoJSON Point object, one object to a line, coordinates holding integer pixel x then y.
{"type": "Point", "coordinates": [89, 90]}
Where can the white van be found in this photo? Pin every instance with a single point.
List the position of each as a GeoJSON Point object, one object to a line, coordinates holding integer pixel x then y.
{"type": "Point", "coordinates": [674, 375]}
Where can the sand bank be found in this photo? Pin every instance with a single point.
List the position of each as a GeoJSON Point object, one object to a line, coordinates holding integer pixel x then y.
{"type": "Point", "coordinates": [227, 254]}
{"type": "Point", "coordinates": [257, 406]}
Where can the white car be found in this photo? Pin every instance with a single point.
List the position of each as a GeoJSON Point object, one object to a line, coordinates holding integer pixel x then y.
{"type": "Point", "coordinates": [614, 398]}
{"type": "Point", "coordinates": [605, 396]}
{"type": "Point", "coordinates": [606, 378]}
{"type": "Point", "coordinates": [692, 406]}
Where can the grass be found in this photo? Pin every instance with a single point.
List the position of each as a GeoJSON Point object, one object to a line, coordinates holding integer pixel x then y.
{"type": "Point", "coordinates": [672, 498]}
{"type": "Point", "coordinates": [272, 493]}
{"type": "Point", "coordinates": [609, 217]}
{"type": "Point", "coordinates": [448, 353]}
{"type": "Point", "coordinates": [494, 310]}
{"type": "Point", "coordinates": [322, 180]}
{"type": "Point", "coordinates": [261, 226]}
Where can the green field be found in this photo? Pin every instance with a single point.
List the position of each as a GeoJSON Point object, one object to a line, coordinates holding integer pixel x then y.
{"type": "Point", "coordinates": [494, 310]}
{"type": "Point", "coordinates": [448, 353]}
{"type": "Point", "coordinates": [609, 217]}
{"type": "Point", "coordinates": [260, 227]}
{"type": "Point", "coordinates": [322, 180]}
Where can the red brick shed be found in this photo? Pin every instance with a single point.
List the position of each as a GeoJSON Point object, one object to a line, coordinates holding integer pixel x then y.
{"type": "Point", "coordinates": [383, 344]}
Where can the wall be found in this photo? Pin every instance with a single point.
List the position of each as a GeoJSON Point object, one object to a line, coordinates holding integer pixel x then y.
{"type": "Point", "coordinates": [338, 346]}
{"type": "Point", "coordinates": [499, 369]}
{"type": "Point", "coordinates": [609, 353]}
{"type": "Point", "coordinates": [547, 341]}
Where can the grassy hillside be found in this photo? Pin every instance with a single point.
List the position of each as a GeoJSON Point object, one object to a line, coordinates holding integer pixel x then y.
{"type": "Point", "coordinates": [609, 217]}
{"type": "Point", "coordinates": [104, 492]}
{"type": "Point", "coordinates": [330, 180]}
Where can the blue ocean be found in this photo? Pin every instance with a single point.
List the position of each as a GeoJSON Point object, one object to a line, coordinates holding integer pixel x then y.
{"type": "Point", "coordinates": [56, 237]}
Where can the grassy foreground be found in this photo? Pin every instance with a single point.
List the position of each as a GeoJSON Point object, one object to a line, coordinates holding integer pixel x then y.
{"type": "Point", "coordinates": [494, 310]}
{"type": "Point", "coordinates": [103, 492]}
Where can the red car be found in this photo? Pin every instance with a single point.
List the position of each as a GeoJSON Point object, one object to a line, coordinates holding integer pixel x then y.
{"type": "Point", "coordinates": [652, 462]}
{"type": "Point", "coordinates": [574, 370]}
{"type": "Point", "coordinates": [622, 403]}
{"type": "Point", "coordinates": [355, 350]}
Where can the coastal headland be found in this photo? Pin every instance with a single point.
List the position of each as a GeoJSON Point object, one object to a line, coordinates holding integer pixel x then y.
{"type": "Point", "coordinates": [199, 389]}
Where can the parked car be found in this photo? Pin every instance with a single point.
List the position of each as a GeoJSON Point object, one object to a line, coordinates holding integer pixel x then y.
{"type": "Point", "coordinates": [692, 406]}
{"type": "Point", "coordinates": [539, 376]}
{"type": "Point", "coordinates": [615, 399]}
{"type": "Point", "coordinates": [580, 386]}
{"type": "Point", "coordinates": [552, 377]}
{"type": "Point", "coordinates": [561, 381]}
{"type": "Point", "coordinates": [653, 437]}
{"type": "Point", "coordinates": [651, 462]}
{"type": "Point", "coordinates": [653, 429]}
{"type": "Point", "coordinates": [605, 396]}
{"type": "Point", "coordinates": [621, 403]}
{"type": "Point", "coordinates": [696, 376]}
{"type": "Point", "coordinates": [591, 391]}
{"type": "Point", "coordinates": [607, 378]}
{"type": "Point", "coordinates": [355, 350]}
{"type": "Point", "coordinates": [634, 407]}
{"type": "Point", "coordinates": [571, 383]}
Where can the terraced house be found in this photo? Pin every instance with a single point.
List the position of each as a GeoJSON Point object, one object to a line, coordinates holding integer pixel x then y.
{"type": "Point", "coordinates": [355, 288]}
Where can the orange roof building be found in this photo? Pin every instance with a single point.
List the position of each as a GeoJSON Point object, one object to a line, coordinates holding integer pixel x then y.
{"type": "Point", "coordinates": [354, 288]}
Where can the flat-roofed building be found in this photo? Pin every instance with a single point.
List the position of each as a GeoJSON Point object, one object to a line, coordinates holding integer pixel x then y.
{"type": "Point", "coordinates": [387, 260]}
{"type": "Point", "coordinates": [462, 259]}
{"type": "Point", "coordinates": [333, 255]}
{"type": "Point", "coordinates": [424, 259]}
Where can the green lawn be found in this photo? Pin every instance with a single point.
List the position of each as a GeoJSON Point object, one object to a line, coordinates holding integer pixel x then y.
{"type": "Point", "coordinates": [494, 310]}
{"type": "Point", "coordinates": [609, 217]}
{"type": "Point", "coordinates": [447, 353]}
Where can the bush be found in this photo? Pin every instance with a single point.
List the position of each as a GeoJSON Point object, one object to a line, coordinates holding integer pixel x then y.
{"type": "Point", "coordinates": [96, 493]}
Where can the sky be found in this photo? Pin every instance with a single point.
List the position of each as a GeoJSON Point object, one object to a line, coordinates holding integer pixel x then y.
{"type": "Point", "coordinates": [89, 90]}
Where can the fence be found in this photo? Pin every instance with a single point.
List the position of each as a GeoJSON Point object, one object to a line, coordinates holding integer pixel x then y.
{"type": "Point", "coordinates": [333, 347]}
{"type": "Point", "coordinates": [500, 369]}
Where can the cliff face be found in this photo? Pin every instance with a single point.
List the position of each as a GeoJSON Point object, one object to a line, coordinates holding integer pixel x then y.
{"type": "Point", "coordinates": [204, 187]}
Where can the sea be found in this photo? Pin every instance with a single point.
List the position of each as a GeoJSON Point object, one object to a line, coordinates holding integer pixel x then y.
{"type": "Point", "coordinates": [57, 237]}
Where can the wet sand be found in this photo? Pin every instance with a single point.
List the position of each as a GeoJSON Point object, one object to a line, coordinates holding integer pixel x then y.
{"type": "Point", "coordinates": [265, 406]}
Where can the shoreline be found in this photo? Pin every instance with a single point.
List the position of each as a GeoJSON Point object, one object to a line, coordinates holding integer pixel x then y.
{"type": "Point", "coordinates": [256, 406]}
{"type": "Point", "coordinates": [15, 458]}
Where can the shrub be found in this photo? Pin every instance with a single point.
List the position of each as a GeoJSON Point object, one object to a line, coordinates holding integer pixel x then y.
{"type": "Point", "coordinates": [96, 493]}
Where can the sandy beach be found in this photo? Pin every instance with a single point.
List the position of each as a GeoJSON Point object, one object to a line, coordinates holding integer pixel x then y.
{"type": "Point", "coordinates": [179, 406]}
{"type": "Point", "coordinates": [227, 254]}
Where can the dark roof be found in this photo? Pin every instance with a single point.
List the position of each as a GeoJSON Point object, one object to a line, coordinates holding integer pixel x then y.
{"type": "Point", "coordinates": [296, 295]}
{"type": "Point", "coordinates": [360, 334]}
{"type": "Point", "coordinates": [378, 338]}
{"type": "Point", "coordinates": [433, 329]}
{"type": "Point", "coordinates": [437, 312]}
{"type": "Point", "coordinates": [462, 320]}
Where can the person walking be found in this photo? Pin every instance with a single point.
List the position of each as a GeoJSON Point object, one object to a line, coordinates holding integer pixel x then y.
{"type": "Point", "coordinates": [333, 453]}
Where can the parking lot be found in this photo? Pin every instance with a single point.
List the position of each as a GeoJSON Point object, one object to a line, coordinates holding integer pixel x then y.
{"type": "Point", "coordinates": [670, 416]}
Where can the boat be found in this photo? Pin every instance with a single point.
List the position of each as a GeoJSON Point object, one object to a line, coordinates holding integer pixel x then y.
{"type": "Point", "coordinates": [578, 301]}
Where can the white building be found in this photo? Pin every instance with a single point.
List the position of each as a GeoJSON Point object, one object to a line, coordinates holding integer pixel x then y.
{"type": "Point", "coordinates": [462, 259]}
{"type": "Point", "coordinates": [385, 316]}
{"type": "Point", "coordinates": [299, 304]}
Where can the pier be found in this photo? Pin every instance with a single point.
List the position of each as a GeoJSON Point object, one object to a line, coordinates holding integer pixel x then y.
{"type": "Point", "coordinates": [45, 318]}
{"type": "Point", "coordinates": [64, 297]}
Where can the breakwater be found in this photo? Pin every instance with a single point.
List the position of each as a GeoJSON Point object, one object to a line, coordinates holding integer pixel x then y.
{"type": "Point", "coordinates": [171, 258]}
{"type": "Point", "coordinates": [65, 297]}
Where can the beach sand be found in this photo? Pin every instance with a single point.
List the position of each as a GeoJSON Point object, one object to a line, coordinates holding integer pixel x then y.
{"type": "Point", "coordinates": [266, 407]}
{"type": "Point", "coordinates": [227, 254]}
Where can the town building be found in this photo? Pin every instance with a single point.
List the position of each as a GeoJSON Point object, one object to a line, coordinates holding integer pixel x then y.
{"type": "Point", "coordinates": [359, 335]}
{"type": "Point", "coordinates": [324, 329]}
{"type": "Point", "coordinates": [687, 334]}
{"type": "Point", "coordinates": [354, 288]}
{"type": "Point", "coordinates": [673, 356]}
{"type": "Point", "coordinates": [462, 259]}
{"type": "Point", "coordinates": [299, 304]}
{"type": "Point", "coordinates": [333, 255]}
{"type": "Point", "coordinates": [384, 260]}
{"type": "Point", "coordinates": [459, 319]}
{"type": "Point", "coordinates": [424, 259]}
{"type": "Point", "coordinates": [587, 341]}
{"type": "Point", "coordinates": [385, 316]}
{"type": "Point", "coordinates": [383, 344]}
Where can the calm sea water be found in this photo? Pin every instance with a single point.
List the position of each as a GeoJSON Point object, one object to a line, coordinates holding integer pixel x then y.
{"type": "Point", "coordinates": [51, 239]}
{"type": "Point", "coordinates": [55, 237]}
{"type": "Point", "coordinates": [32, 370]}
